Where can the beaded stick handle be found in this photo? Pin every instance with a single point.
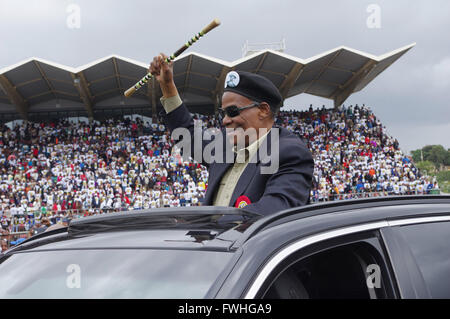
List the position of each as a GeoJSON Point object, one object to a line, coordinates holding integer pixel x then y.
{"type": "Point", "coordinates": [194, 39]}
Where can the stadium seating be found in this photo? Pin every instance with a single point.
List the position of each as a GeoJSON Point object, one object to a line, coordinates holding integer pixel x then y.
{"type": "Point", "coordinates": [62, 170]}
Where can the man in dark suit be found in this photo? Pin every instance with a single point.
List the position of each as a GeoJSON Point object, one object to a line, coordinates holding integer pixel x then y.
{"type": "Point", "coordinates": [249, 106]}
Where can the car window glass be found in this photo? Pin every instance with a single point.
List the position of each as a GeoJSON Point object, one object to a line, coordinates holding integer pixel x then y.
{"type": "Point", "coordinates": [429, 243]}
{"type": "Point", "coordinates": [336, 273]}
{"type": "Point", "coordinates": [110, 274]}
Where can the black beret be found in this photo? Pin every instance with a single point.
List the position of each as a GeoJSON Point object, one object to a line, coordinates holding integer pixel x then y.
{"type": "Point", "coordinates": [255, 87]}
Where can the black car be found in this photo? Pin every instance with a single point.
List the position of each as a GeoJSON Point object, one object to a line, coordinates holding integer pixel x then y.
{"type": "Point", "coordinates": [392, 247]}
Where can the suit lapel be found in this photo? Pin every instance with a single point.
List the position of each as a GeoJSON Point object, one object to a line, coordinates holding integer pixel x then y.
{"type": "Point", "coordinates": [216, 171]}
{"type": "Point", "coordinates": [243, 182]}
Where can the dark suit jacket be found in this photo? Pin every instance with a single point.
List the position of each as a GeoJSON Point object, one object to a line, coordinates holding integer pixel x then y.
{"type": "Point", "coordinates": [289, 187]}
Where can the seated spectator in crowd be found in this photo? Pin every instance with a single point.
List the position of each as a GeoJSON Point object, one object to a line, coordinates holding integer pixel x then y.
{"type": "Point", "coordinates": [4, 245]}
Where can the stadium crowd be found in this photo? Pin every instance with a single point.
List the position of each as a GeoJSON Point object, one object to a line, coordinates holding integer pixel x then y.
{"type": "Point", "coordinates": [354, 155]}
{"type": "Point", "coordinates": [53, 172]}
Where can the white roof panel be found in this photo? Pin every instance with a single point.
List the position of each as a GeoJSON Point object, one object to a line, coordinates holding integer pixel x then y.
{"type": "Point", "coordinates": [198, 77]}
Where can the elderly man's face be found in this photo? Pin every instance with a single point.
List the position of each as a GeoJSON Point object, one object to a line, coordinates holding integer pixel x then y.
{"type": "Point", "coordinates": [245, 124]}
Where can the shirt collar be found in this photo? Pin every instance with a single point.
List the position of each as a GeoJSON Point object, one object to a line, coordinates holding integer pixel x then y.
{"type": "Point", "coordinates": [250, 150]}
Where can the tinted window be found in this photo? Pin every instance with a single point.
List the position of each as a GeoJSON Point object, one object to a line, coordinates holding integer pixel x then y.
{"type": "Point", "coordinates": [110, 274]}
{"type": "Point", "coordinates": [430, 245]}
{"type": "Point", "coordinates": [336, 273]}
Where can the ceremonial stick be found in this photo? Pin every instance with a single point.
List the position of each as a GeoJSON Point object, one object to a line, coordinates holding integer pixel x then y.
{"type": "Point", "coordinates": [194, 39]}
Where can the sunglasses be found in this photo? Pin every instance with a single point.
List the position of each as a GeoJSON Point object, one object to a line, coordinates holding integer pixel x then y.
{"type": "Point", "coordinates": [233, 110]}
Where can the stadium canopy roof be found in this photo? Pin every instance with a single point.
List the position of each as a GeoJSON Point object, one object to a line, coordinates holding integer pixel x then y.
{"type": "Point", "coordinates": [37, 85]}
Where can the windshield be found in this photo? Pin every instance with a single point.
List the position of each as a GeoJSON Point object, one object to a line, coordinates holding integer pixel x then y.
{"type": "Point", "coordinates": [111, 273]}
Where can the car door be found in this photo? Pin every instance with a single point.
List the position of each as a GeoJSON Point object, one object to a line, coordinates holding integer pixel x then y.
{"type": "Point", "coordinates": [352, 266]}
{"type": "Point", "coordinates": [402, 258]}
{"type": "Point", "coordinates": [420, 253]}
{"type": "Point", "coordinates": [339, 261]}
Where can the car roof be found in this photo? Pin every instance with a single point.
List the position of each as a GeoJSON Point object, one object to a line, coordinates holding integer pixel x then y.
{"type": "Point", "coordinates": [131, 239]}
{"type": "Point", "coordinates": [222, 228]}
{"type": "Point", "coordinates": [169, 228]}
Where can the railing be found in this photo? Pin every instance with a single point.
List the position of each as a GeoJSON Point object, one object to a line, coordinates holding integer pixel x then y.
{"type": "Point", "coordinates": [346, 196]}
{"type": "Point", "coordinates": [250, 48]}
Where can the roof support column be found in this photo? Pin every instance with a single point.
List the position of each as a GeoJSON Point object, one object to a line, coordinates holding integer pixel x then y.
{"type": "Point", "coordinates": [290, 80]}
{"type": "Point", "coordinates": [188, 73]}
{"type": "Point", "coordinates": [323, 70]}
{"type": "Point", "coordinates": [218, 91]}
{"type": "Point", "coordinates": [152, 92]}
{"type": "Point", "coordinates": [116, 74]}
{"type": "Point", "coordinates": [344, 91]}
{"type": "Point", "coordinates": [14, 97]}
{"type": "Point", "coordinates": [261, 62]}
{"type": "Point", "coordinates": [50, 86]}
{"type": "Point", "coordinates": [81, 84]}
{"type": "Point", "coordinates": [216, 105]}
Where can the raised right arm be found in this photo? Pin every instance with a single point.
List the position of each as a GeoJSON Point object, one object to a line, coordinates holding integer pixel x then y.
{"type": "Point", "coordinates": [176, 115]}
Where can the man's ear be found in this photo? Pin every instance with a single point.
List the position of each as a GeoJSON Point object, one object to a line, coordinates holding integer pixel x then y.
{"type": "Point", "coordinates": [264, 111]}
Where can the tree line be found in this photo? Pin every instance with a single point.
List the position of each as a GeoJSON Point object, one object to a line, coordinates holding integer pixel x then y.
{"type": "Point", "coordinates": [436, 154]}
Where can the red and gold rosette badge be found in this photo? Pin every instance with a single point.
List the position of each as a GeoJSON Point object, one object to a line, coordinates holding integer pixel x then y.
{"type": "Point", "coordinates": [242, 201]}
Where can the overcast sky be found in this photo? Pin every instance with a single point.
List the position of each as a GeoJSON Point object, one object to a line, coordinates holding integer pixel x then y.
{"type": "Point", "coordinates": [411, 97]}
